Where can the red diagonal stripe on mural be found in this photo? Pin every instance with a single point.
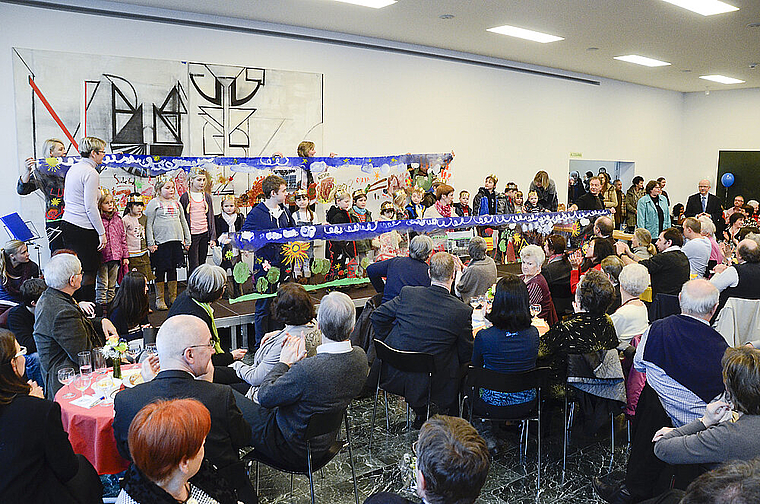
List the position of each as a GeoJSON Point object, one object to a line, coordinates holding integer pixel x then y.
{"type": "Point", "coordinates": [52, 113]}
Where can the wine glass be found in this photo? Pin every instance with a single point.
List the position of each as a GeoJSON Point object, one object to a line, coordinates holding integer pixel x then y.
{"type": "Point", "coordinates": [65, 377]}
{"type": "Point", "coordinates": [82, 382]}
{"type": "Point", "coordinates": [133, 350]}
{"type": "Point", "coordinates": [85, 363]}
{"type": "Point", "coordinates": [535, 309]}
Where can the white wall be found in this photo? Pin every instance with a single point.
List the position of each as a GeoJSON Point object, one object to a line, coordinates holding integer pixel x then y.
{"type": "Point", "coordinates": [722, 120]}
{"type": "Point", "coordinates": [384, 103]}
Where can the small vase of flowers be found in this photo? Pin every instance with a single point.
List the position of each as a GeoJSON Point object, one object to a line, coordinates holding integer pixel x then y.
{"type": "Point", "coordinates": [114, 349]}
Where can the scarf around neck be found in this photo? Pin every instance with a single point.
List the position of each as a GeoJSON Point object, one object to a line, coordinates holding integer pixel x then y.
{"type": "Point", "coordinates": [444, 210]}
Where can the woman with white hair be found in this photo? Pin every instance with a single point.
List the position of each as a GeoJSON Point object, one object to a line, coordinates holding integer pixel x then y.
{"type": "Point", "coordinates": [61, 329]}
{"type": "Point", "coordinates": [632, 318]}
{"type": "Point", "coordinates": [480, 273]}
{"type": "Point", "coordinates": [205, 286]}
{"type": "Point", "coordinates": [708, 230]}
{"type": "Point", "coordinates": [532, 257]}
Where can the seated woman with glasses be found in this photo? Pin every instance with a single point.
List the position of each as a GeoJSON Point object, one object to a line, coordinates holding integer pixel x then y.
{"type": "Point", "coordinates": [166, 442]}
{"type": "Point", "coordinates": [37, 462]}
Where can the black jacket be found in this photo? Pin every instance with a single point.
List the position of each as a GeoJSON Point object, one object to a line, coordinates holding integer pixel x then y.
{"type": "Point", "coordinates": [714, 208]}
{"type": "Point", "coordinates": [430, 320]}
{"type": "Point", "coordinates": [229, 431]}
{"type": "Point", "coordinates": [557, 275]}
{"type": "Point", "coordinates": [184, 305]}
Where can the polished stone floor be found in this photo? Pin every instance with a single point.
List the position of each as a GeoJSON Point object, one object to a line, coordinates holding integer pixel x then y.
{"type": "Point", "coordinates": [510, 480]}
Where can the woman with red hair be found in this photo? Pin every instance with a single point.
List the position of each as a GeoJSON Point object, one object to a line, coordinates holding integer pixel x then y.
{"type": "Point", "coordinates": [166, 441]}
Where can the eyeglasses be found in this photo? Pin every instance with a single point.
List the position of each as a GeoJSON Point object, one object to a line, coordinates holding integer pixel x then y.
{"type": "Point", "coordinates": [210, 344]}
{"type": "Point", "coordinates": [21, 351]}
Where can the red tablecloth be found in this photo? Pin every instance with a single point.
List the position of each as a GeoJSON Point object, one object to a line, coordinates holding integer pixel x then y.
{"type": "Point", "coordinates": [91, 432]}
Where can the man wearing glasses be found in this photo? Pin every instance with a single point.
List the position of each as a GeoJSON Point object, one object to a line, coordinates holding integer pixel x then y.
{"type": "Point", "coordinates": [184, 347]}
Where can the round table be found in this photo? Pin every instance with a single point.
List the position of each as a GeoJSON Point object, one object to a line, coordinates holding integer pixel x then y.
{"type": "Point", "coordinates": [91, 431]}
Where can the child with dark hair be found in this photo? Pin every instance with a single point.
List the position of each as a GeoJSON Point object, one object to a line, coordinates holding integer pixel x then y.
{"type": "Point", "coordinates": [21, 324]}
{"type": "Point", "coordinates": [129, 310]}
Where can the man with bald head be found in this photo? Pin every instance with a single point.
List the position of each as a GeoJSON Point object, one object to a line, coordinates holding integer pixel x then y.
{"type": "Point", "coordinates": [705, 203]}
{"type": "Point", "coordinates": [741, 280]}
{"type": "Point", "coordinates": [185, 346]}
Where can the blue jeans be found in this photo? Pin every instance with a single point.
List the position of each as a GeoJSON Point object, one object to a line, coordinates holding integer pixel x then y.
{"type": "Point", "coordinates": [34, 370]}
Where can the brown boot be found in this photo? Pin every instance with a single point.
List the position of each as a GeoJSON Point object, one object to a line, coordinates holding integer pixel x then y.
{"type": "Point", "coordinates": [160, 303]}
{"type": "Point", "coordinates": [172, 291]}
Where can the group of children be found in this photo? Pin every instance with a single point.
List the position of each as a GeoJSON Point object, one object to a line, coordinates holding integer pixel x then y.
{"type": "Point", "coordinates": [155, 237]}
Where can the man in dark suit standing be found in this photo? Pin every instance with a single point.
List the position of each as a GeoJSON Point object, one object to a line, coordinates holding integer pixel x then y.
{"type": "Point", "coordinates": [185, 347]}
{"type": "Point", "coordinates": [429, 320]}
{"type": "Point", "coordinates": [704, 202]}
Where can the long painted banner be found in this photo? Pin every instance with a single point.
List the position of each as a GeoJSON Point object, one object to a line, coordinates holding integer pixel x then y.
{"type": "Point", "coordinates": [541, 222]}
{"type": "Point", "coordinates": [150, 166]}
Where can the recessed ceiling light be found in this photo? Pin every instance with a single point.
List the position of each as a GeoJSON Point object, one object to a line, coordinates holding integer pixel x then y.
{"type": "Point", "coordinates": [375, 4]}
{"type": "Point", "coordinates": [522, 33]}
{"type": "Point", "coordinates": [704, 7]}
{"type": "Point", "coordinates": [446, 16]}
{"type": "Point", "coordinates": [592, 49]}
{"type": "Point", "coordinates": [721, 79]}
{"type": "Point", "coordinates": [642, 60]}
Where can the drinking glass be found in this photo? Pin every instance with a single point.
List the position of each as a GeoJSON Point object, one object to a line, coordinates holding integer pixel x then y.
{"type": "Point", "coordinates": [82, 382]}
{"type": "Point", "coordinates": [99, 361]}
{"type": "Point", "coordinates": [151, 349]}
{"type": "Point", "coordinates": [535, 309]}
{"type": "Point", "coordinates": [85, 363]}
{"type": "Point", "coordinates": [65, 377]}
{"type": "Point", "coordinates": [133, 350]}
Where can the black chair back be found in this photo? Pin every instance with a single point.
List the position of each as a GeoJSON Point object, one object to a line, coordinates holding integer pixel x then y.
{"type": "Point", "coordinates": [324, 423]}
{"type": "Point", "coordinates": [408, 362]}
{"type": "Point", "coordinates": [479, 377]}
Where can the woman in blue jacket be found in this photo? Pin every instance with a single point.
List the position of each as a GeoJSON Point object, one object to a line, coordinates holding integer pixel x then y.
{"type": "Point", "coordinates": [652, 210]}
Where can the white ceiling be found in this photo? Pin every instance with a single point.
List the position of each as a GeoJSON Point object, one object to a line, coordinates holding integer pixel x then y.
{"type": "Point", "coordinates": [694, 44]}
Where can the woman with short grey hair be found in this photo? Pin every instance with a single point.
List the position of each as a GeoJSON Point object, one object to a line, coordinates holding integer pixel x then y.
{"type": "Point", "coordinates": [632, 318]}
{"type": "Point", "coordinates": [420, 247]}
{"type": "Point", "coordinates": [533, 257]}
{"type": "Point", "coordinates": [479, 275]}
{"type": "Point", "coordinates": [708, 230]}
{"type": "Point", "coordinates": [336, 316]}
{"type": "Point", "coordinates": [205, 286]}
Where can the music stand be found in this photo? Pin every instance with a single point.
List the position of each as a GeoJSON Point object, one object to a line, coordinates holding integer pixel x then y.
{"type": "Point", "coordinates": [21, 230]}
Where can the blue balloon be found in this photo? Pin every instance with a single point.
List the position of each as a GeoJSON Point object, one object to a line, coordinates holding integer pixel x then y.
{"type": "Point", "coordinates": [727, 179]}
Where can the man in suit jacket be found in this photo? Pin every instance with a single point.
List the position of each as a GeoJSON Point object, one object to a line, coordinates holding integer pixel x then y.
{"type": "Point", "coordinates": [429, 320]}
{"type": "Point", "coordinates": [185, 347]}
{"type": "Point", "coordinates": [704, 202]}
{"type": "Point", "coordinates": [61, 329]}
{"type": "Point", "coordinates": [297, 388]}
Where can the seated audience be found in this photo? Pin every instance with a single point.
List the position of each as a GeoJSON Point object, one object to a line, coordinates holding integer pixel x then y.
{"type": "Point", "coordinates": [737, 208]}
{"type": "Point", "coordinates": [612, 266]}
{"type": "Point", "coordinates": [185, 345]}
{"type": "Point", "coordinates": [129, 309]}
{"type": "Point", "coordinates": [509, 346]}
{"type": "Point", "coordinates": [681, 354]}
{"type": "Point", "coordinates": [708, 231]}
{"type": "Point", "coordinates": [669, 269]}
{"type": "Point", "coordinates": [21, 324]}
{"type": "Point", "coordinates": [430, 320]}
{"type": "Point", "coordinates": [205, 286]}
{"type": "Point", "coordinates": [452, 464]}
{"type": "Point", "coordinates": [166, 441]}
{"type": "Point", "coordinates": [641, 244]}
{"type": "Point", "coordinates": [721, 434]}
{"type": "Point", "coordinates": [597, 250]}
{"type": "Point", "coordinates": [296, 388]}
{"type": "Point", "coordinates": [532, 257]}
{"type": "Point", "coordinates": [15, 269]}
{"type": "Point", "coordinates": [696, 247]}
{"type": "Point", "coordinates": [402, 271]}
{"type": "Point", "coordinates": [37, 462]}
{"type": "Point", "coordinates": [735, 224]}
{"type": "Point", "coordinates": [479, 275]}
{"type": "Point", "coordinates": [61, 329]}
{"type": "Point", "coordinates": [556, 272]}
{"type": "Point", "coordinates": [588, 330]}
{"type": "Point", "coordinates": [632, 318]}
{"type": "Point", "coordinates": [293, 307]}
{"type": "Point", "coordinates": [741, 280]}
{"type": "Point", "coordinates": [603, 227]}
